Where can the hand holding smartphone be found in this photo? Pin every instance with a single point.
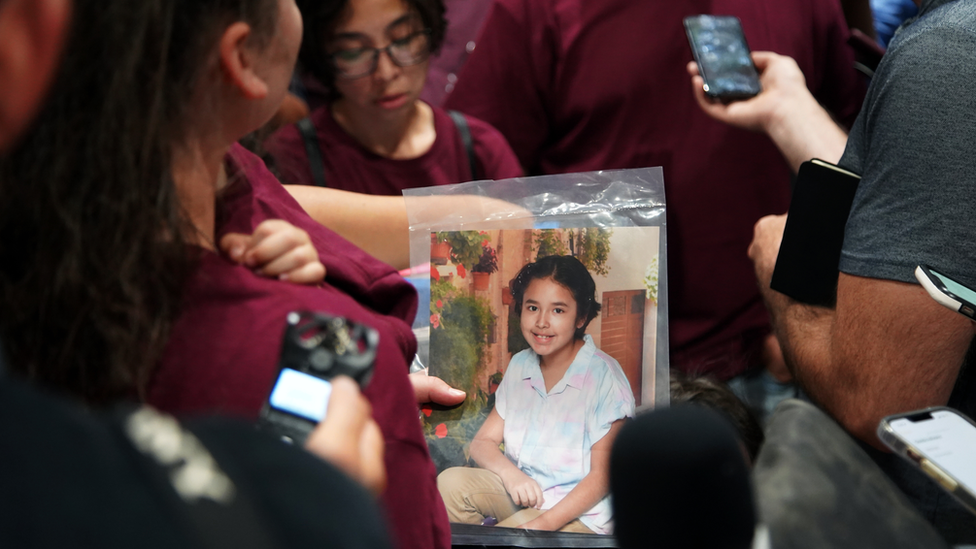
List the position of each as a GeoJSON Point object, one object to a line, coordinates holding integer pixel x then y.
{"type": "Point", "coordinates": [723, 57]}
{"type": "Point", "coordinates": [942, 443]}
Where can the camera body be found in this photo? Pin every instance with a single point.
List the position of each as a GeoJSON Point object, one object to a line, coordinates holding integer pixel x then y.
{"type": "Point", "coordinates": [315, 348]}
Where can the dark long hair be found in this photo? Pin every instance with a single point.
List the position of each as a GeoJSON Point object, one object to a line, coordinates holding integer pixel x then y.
{"type": "Point", "coordinates": [92, 254]}
{"type": "Point", "coordinates": [321, 17]}
{"type": "Point", "coordinates": [568, 272]}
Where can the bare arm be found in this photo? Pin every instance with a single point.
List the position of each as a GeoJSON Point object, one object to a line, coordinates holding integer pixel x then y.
{"type": "Point", "coordinates": [484, 451]}
{"type": "Point", "coordinates": [785, 110]}
{"type": "Point", "coordinates": [887, 347]}
{"type": "Point", "coordinates": [594, 487]}
{"type": "Point", "coordinates": [379, 224]}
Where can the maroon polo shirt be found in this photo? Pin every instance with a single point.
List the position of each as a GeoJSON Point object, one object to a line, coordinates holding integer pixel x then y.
{"type": "Point", "coordinates": [223, 351]}
{"type": "Point", "coordinates": [581, 85]}
{"type": "Point", "coordinates": [351, 167]}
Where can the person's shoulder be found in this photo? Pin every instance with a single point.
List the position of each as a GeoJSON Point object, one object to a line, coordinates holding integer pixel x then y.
{"type": "Point", "coordinates": [240, 159]}
{"type": "Point", "coordinates": [482, 131]}
{"type": "Point", "coordinates": [947, 29]}
{"type": "Point", "coordinates": [492, 149]}
{"type": "Point", "coordinates": [603, 366]}
{"type": "Point", "coordinates": [284, 137]}
{"type": "Point", "coordinates": [521, 359]}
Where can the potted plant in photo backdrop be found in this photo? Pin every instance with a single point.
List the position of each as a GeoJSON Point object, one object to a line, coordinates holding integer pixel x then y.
{"type": "Point", "coordinates": [465, 248]}
{"type": "Point", "coordinates": [487, 264]}
{"type": "Point", "coordinates": [440, 250]}
{"type": "Point", "coordinates": [458, 352]}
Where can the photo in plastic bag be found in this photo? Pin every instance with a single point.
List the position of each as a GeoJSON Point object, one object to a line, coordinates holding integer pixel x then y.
{"type": "Point", "coordinates": [475, 333]}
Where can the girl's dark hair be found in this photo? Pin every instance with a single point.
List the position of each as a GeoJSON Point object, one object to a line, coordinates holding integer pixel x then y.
{"type": "Point", "coordinates": [568, 272]}
{"type": "Point", "coordinates": [93, 256]}
{"type": "Point", "coordinates": [321, 17]}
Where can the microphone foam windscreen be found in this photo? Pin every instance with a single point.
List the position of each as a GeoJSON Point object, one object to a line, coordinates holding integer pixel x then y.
{"type": "Point", "coordinates": [679, 479]}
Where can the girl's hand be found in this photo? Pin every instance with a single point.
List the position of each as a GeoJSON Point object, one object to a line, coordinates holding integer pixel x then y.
{"type": "Point", "coordinates": [276, 249]}
{"type": "Point", "coordinates": [524, 491]}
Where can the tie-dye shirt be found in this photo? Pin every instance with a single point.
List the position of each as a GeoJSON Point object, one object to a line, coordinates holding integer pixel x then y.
{"type": "Point", "coordinates": [549, 436]}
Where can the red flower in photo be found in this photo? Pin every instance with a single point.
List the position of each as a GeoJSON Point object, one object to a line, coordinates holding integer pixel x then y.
{"type": "Point", "coordinates": [441, 431]}
{"type": "Point", "coordinates": [426, 409]}
{"type": "Point", "coordinates": [435, 321]}
{"type": "Point", "coordinates": [461, 271]}
{"type": "Point", "coordinates": [439, 304]}
{"type": "Point", "coordinates": [434, 274]}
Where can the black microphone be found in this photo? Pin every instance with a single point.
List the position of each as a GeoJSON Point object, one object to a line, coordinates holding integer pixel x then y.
{"type": "Point", "coordinates": [679, 479]}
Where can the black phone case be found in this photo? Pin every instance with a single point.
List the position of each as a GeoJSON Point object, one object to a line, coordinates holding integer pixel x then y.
{"type": "Point", "coordinates": [696, 52]}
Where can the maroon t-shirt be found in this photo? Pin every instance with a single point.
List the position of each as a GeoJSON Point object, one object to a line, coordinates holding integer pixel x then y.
{"type": "Point", "coordinates": [223, 351]}
{"type": "Point", "coordinates": [581, 85]}
{"type": "Point", "coordinates": [350, 167]}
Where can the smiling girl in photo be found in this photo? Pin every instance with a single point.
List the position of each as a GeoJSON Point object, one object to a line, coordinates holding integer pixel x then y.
{"type": "Point", "coordinates": [557, 411]}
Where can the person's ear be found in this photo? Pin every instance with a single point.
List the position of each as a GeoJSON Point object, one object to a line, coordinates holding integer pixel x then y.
{"type": "Point", "coordinates": [31, 35]}
{"type": "Point", "coordinates": [238, 61]}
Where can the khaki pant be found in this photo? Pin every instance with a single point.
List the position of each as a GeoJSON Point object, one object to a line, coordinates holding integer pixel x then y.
{"type": "Point", "coordinates": [471, 494]}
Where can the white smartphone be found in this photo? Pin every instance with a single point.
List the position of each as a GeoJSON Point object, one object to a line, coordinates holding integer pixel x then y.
{"type": "Point", "coordinates": [942, 443]}
{"type": "Point", "coordinates": [947, 291]}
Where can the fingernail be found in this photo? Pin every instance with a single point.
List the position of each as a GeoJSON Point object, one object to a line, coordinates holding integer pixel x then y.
{"type": "Point", "coordinates": [456, 392]}
{"type": "Point", "coordinates": [236, 252]}
{"type": "Point", "coordinates": [283, 276]}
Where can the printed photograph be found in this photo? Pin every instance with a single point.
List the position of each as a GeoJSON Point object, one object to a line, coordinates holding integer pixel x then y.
{"type": "Point", "coordinates": [552, 334]}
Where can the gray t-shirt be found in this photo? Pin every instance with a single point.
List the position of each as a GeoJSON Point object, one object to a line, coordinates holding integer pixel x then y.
{"type": "Point", "coordinates": [914, 145]}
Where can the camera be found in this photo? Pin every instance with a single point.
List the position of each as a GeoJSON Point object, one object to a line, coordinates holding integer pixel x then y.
{"type": "Point", "coordinates": [315, 348]}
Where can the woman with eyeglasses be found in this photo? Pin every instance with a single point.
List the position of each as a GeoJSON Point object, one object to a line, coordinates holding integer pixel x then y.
{"type": "Point", "coordinates": [376, 136]}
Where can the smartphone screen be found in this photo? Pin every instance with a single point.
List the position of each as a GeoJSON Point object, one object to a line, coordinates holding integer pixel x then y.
{"type": "Point", "coordinates": [944, 437]}
{"type": "Point", "coordinates": [955, 288]}
{"type": "Point", "coordinates": [301, 394]}
{"type": "Point", "coordinates": [723, 56]}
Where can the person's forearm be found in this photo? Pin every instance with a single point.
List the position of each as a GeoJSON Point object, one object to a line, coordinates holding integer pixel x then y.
{"type": "Point", "coordinates": [803, 332]}
{"type": "Point", "coordinates": [377, 224]}
{"type": "Point", "coordinates": [488, 456]}
{"type": "Point", "coordinates": [380, 226]}
{"type": "Point", "coordinates": [803, 129]}
{"type": "Point", "coordinates": [579, 500]}
{"type": "Point", "coordinates": [886, 348]}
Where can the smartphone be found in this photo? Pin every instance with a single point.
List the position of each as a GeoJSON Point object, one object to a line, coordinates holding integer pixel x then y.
{"type": "Point", "coordinates": [723, 57]}
{"type": "Point", "coordinates": [947, 291]}
{"type": "Point", "coordinates": [942, 443]}
{"type": "Point", "coordinates": [315, 348]}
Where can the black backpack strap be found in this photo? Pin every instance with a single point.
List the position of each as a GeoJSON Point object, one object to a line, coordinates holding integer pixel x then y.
{"type": "Point", "coordinates": [311, 139]}
{"type": "Point", "coordinates": [461, 123]}
{"type": "Point", "coordinates": [215, 510]}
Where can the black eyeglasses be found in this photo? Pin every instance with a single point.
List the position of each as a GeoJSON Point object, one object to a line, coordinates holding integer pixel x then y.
{"type": "Point", "coordinates": [410, 50]}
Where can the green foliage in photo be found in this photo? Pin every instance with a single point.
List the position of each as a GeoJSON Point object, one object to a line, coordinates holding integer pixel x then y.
{"type": "Point", "coordinates": [466, 246]}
